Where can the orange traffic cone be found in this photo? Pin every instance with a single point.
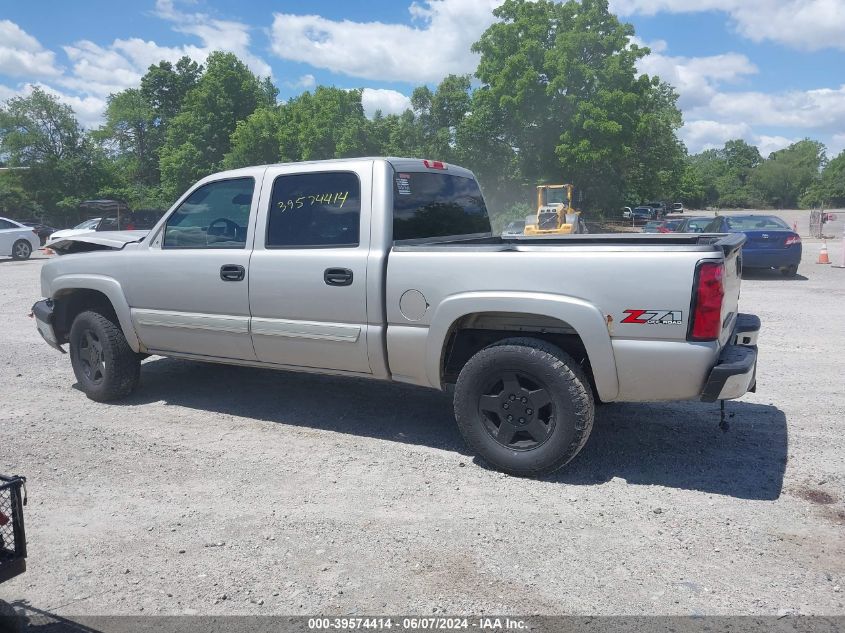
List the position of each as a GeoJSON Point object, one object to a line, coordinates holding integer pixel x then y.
{"type": "Point", "coordinates": [823, 256]}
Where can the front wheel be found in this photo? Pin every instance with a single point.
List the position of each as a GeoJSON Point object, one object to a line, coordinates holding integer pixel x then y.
{"type": "Point", "coordinates": [524, 406]}
{"type": "Point", "coordinates": [21, 250]}
{"type": "Point", "coordinates": [104, 364]}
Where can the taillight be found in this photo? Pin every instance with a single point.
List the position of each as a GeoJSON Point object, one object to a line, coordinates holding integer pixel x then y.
{"type": "Point", "coordinates": [434, 164]}
{"type": "Point", "coordinates": [792, 239]}
{"type": "Point", "coordinates": [707, 303]}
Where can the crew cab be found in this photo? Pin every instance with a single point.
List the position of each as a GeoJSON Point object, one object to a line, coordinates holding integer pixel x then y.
{"type": "Point", "coordinates": [386, 268]}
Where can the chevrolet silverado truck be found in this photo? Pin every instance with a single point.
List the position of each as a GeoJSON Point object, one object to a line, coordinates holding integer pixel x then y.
{"type": "Point", "coordinates": [386, 268]}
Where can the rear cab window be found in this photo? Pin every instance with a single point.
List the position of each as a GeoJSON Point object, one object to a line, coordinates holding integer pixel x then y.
{"type": "Point", "coordinates": [437, 205]}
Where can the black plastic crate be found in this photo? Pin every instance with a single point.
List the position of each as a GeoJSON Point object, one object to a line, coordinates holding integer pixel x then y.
{"type": "Point", "coordinates": [12, 535]}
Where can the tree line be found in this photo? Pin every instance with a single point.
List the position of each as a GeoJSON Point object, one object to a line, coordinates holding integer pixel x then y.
{"type": "Point", "coordinates": [556, 97]}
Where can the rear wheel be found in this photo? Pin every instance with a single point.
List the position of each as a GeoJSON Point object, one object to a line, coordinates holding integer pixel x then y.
{"type": "Point", "coordinates": [524, 406]}
{"type": "Point", "coordinates": [104, 364]}
{"type": "Point", "coordinates": [789, 271]}
{"type": "Point", "coordinates": [21, 249]}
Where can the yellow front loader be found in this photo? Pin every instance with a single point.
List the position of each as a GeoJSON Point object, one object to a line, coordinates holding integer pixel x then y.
{"type": "Point", "coordinates": [556, 214]}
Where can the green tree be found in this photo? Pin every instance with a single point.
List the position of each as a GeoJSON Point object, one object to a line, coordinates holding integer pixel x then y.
{"type": "Point", "coordinates": [199, 136]}
{"type": "Point", "coordinates": [329, 123]}
{"type": "Point", "coordinates": [562, 82]}
{"type": "Point", "coordinates": [439, 114]}
{"type": "Point", "coordinates": [255, 140]}
{"type": "Point", "coordinates": [789, 174]}
{"type": "Point", "coordinates": [741, 159]}
{"type": "Point", "coordinates": [165, 86]}
{"type": "Point", "coordinates": [829, 189]}
{"type": "Point", "coordinates": [63, 165]}
{"type": "Point", "coordinates": [130, 127]}
{"type": "Point", "coordinates": [656, 163]}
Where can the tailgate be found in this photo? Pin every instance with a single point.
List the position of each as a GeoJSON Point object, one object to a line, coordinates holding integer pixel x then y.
{"type": "Point", "coordinates": [731, 246]}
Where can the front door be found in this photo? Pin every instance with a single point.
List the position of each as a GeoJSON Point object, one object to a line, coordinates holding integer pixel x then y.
{"type": "Point", "coordinates": [189, 290]}
{"type": "Point", "coordinates": [307, 280]}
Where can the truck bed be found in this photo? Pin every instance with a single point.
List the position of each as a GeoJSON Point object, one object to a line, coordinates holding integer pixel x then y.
{"type": "Point", "coordinates": [698, 242]}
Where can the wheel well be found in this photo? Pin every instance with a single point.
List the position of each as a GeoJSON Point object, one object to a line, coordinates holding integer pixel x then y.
{"type": "Point", "coordinates": [70, 303]}
{"type": "Point", "coordinates": [473, 332]}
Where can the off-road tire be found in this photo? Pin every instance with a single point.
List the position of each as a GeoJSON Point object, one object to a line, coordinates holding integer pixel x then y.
{"type": "Point", "coordinates": [535, 363]}
{"type": "Point", "coordinates": [21, 250]}
{"type": "Point", "coordinates": [120, 367]}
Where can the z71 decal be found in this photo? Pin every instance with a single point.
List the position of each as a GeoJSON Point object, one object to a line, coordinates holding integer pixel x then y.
{"type": "Point", "coordinates": [654, 317]}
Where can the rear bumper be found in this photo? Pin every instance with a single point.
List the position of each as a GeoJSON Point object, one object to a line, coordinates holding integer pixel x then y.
{"type": "Point", "coordinates": [771, 258]}
{"type": "Point", "coordinates": [735, 373]}
{"type": "Point", "coordinates": [43, 313]}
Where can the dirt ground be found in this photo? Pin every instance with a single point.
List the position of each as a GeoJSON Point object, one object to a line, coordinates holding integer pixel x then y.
{"type": "Point", "coordinates": [219, 490]}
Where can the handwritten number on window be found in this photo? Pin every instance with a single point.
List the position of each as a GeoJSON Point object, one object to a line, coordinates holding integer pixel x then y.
{"type": "Point", "coordinates": [325, 199]}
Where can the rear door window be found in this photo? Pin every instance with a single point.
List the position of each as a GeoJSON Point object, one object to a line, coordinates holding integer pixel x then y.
{"type": "Point", "coordinates": [312, 210]}
{"type": "Point", "coordinates": [427, 205]}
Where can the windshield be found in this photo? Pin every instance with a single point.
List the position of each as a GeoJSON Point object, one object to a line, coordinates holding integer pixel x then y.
{"type": "Point", "coordinates": [555, 196]}
{"type": "Point", "coordinates": [754, 222]}
{"type": "Point", "coordinates": [88, 224]}
{"type": "Point", "coordinates": [437, 205]}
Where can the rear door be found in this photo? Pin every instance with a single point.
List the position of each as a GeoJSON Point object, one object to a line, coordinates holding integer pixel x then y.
{"type": "Point", "coordinates": [189, 290]}
{"type": "Point", "coordinates": [308, 270]}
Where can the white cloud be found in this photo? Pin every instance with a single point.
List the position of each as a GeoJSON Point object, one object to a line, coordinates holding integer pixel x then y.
{"type": "Point", "coordinates": [836, 145]}
{"type": "Point", "coordinates": [89, 110]}
{"type": "Point", "coordinates": [306, 82]}
{"type": "Point", "coordinates": [697, 79]}
{"type": "Point", "coordinates": [7, 93]}
{"type": "Point", "coordinates": [715, 111]}
{"type": "Point", "coordinates": [705, 134]}
{"type": "Point", "coordinates": [102, 70]}
{"type": "Point", "coordinates": [215, 34]}
{"type": "Point", "coordinates": [391, 52]}
{"type": "Point", "coordinates": [21, 55]}
{"type": "Point", "coordinates": [821, 109]}
{"type": "Point", "coordinates": [801, 24]}
{"type": "Point", "coordinates": [388, 101]}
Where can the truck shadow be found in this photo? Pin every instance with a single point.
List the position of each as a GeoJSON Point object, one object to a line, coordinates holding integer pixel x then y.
{"type": "Point", "coordinates": [763, 274]}
{"type": "Point", "coordinates": [675, 444]}
{"type": "Point", "coordinates": [679, 445]}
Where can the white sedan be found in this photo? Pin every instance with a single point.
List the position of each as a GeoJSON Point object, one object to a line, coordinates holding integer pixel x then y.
{"type": "Point", "coordinates": [16, 240]}
{"type": "Point", "coordinates": [79, 229]}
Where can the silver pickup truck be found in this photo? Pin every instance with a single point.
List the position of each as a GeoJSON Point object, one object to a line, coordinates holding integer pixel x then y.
{"type": "Point", "coordinates": [386, 268]}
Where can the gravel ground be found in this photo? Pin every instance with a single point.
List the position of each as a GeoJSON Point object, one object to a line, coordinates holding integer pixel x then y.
{"type": "Point", "coordinates": [219, 490]}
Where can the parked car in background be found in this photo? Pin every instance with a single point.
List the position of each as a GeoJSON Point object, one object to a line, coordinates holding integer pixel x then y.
{"type": "Point", "coordinates": [641, 215]}
{"type": "Point", "coordinates": [769, 243]}
{"type": "Point", "coordinates": [140, 220]}
{"type": "Point", "coordinates": [626, 213]}
{"type": "Point", "coordinates": [517, 227]}
{"type": "Point", "coordinates": [79, 229]}
{"type": "Point", "coordinates": [653, 226]}
{"type": "Point", "coordinates": [658, 207]}
{"type": "Point", "coordinates": [17, 240]}
{"type": "Point", "coordinates": [693, 225]}
{"type": "Point", "coordinates": [41, 230]}
{"type": "Point", "coordinates": [661, 226]}
{"type": "Point", "coordinates": [677, 207]}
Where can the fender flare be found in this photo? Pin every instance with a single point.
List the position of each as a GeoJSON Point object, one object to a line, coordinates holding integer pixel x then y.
{"type": "Point", "coordinates": [113, 291]}
{"type": "Point", "coordinates": [585, 318]}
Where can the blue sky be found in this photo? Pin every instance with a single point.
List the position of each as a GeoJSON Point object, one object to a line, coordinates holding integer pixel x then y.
{"type": "Point", "coordinates": [768, 71]}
